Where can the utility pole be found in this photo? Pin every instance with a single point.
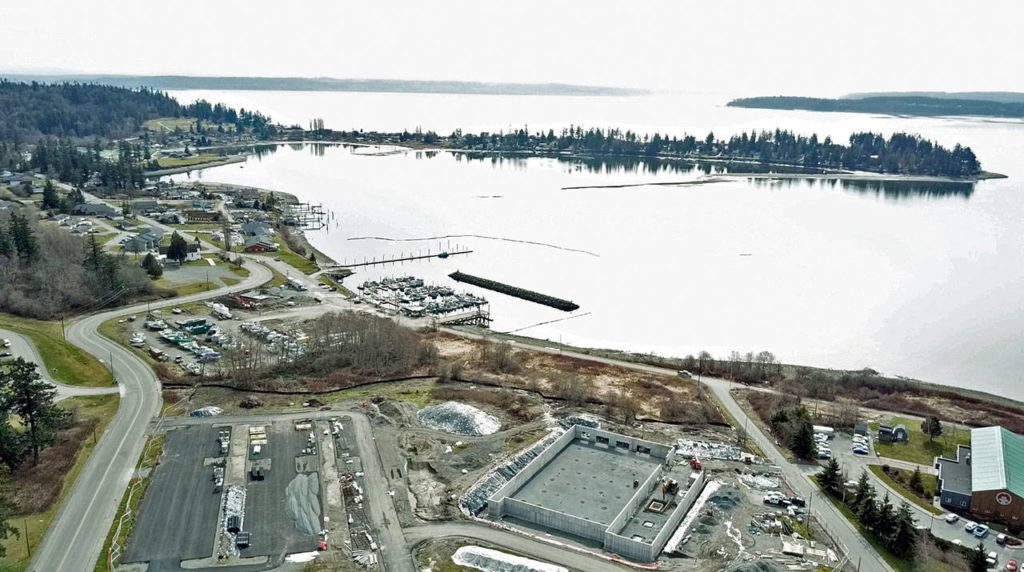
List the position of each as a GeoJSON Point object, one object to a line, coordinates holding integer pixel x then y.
{"type": "Point", "coordinates": [28, 547]}
{"type": "Point", "coordinates": [62, 327]}
{"type": "Point", "coordinates": [112, 376]}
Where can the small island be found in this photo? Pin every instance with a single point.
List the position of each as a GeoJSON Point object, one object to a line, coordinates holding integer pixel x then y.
{"type": "Point", "coordinates": [961, 105]}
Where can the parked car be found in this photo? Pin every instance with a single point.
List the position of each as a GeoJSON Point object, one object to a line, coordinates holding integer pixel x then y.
{"type": "Point", "coordinates": [860, 451]}
{"type": "Point", "coordinates": [1011, 565]}
{"type": "Point", "coordinates": [5, 354]}
{"type": "Point", "coordinates": [969, 526]}
{"type": "Point", "coordinates": [797, 501]}
{"type": "Point", "coordinates": [7, 343]}
{"type": "Point", "coordinates": [980, 531]}
{"type": "Point", "coordinates": [951, 518]}
{"type": "Point", "coordinates": [1001, 539]}
{"type": "Point", "coordinates": [991, 559]}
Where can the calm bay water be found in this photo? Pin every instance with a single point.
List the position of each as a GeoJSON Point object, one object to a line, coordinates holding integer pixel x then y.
{"type": "Point", "coordinates": [917, 282]}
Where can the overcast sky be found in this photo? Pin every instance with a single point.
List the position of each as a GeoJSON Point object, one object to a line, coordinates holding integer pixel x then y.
{"type": "Point", "coordinates": [754, 47]}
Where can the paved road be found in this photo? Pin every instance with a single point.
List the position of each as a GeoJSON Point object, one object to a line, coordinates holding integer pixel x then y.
{"type": "Point", "coordinates": [74, 540]}
{"type": "Point", "coordinates": [23, 347]}
{"type": "Point", "coordinates": [559, 555]}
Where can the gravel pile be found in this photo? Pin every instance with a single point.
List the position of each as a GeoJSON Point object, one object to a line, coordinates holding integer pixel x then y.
{"type": "Point", "coordinates": [459, 419]}
{"type": "Point", "coordinates": [494, 561]}
{"type": "Point", "coordinates": [708, 450]}
{"type": "Point", "coordinates": [302, 503]}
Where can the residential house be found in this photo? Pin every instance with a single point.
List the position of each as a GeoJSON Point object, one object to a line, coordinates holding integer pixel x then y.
{"type": "Point", "coordinates": [145, 206]}
{"type": "Point", "coordinates": [171, 217]}
{"type": "Point", "coordinates": [191, 256]}
{"type": "Point", "coordinates": [260, 243]}
{"type": "Point", "coordinates": [94, 209]}
{"type": "Point", "coordinates": [256, 229]}
{"type": "Point", "coordinates": [196, 216]}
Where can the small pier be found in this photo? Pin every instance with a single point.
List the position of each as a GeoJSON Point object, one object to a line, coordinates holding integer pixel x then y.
{"type": "Point", "coordinates": [403, 258]}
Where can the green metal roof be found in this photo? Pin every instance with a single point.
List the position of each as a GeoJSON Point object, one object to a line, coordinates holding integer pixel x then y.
{"type": "Point", "coordinates": [997, 460]}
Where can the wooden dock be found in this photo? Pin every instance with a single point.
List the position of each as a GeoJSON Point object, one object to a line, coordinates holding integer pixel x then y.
{"type": "Point", "coordinates": [401, 258]}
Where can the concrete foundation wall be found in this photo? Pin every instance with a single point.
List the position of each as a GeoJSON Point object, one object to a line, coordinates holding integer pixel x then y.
{"type": "Point", "coordinates": [658, 450]}
{"type": "Point", "coordinates": [684, 506]}
{"type": "Point", "coordinates": [636, 502]}
{"type": "Point", "coordinates": [496, 502]}
{"type": "Point", "coordinates": [629, 548]}
{"type": "Point", "coordinates": [554, 519]}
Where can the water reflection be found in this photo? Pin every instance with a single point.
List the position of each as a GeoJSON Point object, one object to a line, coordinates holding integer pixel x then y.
{"type": "Point", "coordinates": [642, 166]}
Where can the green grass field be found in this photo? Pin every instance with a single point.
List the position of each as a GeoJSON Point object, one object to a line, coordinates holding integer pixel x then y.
{"type": "Point", "coordinates": [66, 363]}
{"type": "Point", "coordinates": [185, 289]}
{"type": "Point", "coordinates": [102, 407]}
{"type": "Point", "coordinates": [918, 449]}
{"type": "Point", "coordinates": [228, 281]}
{"type": "Point", "coordinates": [300, 263]}
{"type": "Point", "coordinates": [172, 163]}
{"type": "Point", "coordinates": [929, 482]}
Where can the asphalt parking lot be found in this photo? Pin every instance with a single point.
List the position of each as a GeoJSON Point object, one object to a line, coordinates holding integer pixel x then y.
{"type": "Point", "coordinates": [178, 515]}
{"type": "Point", "coordinates": [266, 516]}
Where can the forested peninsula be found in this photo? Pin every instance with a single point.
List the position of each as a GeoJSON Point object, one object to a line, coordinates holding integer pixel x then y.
{"type": "Point", "coordinates": [899, 154]}
{"type": "Point", "coordinates": [890, 105]}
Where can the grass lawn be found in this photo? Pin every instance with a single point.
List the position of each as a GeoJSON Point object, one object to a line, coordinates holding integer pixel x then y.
{"type": "Point", "coordinates": [228, 281]}
{"type": "Point", "coordinates": [239, 271]}
{"type": "Point", "coordinates": [918, 449]}
{"type": "Point", "coordinates": [171, 163]}
{"type": "Point", "coordinates": [185, 289]}
{"type": "Point", "coordinates": [65, 362]}
{"type": "Point", "coordinates": [300, 263]}
{"type": "Point", "coordinates": [101, 407]}
{"type": "Point", "coordinates": [150, 458]}
{"type": "Point", "coordinates": [276, 280]}
{"type": "Point", "coordinates": [324, 278]}
{"type": "Point", "coordinates": [105, 238]}
{"type": "Point", "coordinates": [929, 482]}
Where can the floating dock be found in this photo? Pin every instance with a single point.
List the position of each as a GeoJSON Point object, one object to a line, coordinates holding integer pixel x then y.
{"type": "Point", "coordinates": [521, 293]}
{"type": "Point", "coordinates": [403, 258]}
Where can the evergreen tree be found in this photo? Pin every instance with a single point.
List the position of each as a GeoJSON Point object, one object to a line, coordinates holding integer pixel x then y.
{"type": "Point", "coordinates": [867, 512]}
{"type": "Point", "coordinates": [863, 491]}
{"type": "Point", "coordinates": [31, 399]}
{"type": "Point", "coordinates": [50, 198]}
{"type": "Point", "coordinates": [932, 427]}
{"type": "Point", "coordinates": [152, 266]}
{"type": "Point", "coordinates": [802, 443]}
{"type": "Point", "coordinates": [903, 539]}
{"type": "Point", "coordinates": [93, 253]}
{"type": "Point", "coordinates": [24, 238]}
{"type": "Point", "coordinates": [178, 250]}
{"type": "Point", "coordinates": [915, 481]}
{"type": "Point", "coordinates": [829, 477]}
{"type": "Point", "coordinates": [7, 509]}
{"type": "Point", "coordinates": [976, 559]}
{"type": "Point", "coordinates": [886, 522]}
{"type": "Point", "coordinates": [6, 245]}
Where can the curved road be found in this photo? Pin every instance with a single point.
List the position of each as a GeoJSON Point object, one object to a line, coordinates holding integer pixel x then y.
{"type": "Point", "coordinates": [74, 540]}
{"type": "Point", "coordinates": [23, 347]}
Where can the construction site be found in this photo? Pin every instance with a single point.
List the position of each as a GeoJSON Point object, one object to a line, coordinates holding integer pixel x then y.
{"type": "Point", "coordinates": [399, 474]}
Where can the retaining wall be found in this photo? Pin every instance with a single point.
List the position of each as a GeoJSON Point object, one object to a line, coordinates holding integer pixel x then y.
{"type": "Point", "coordinates": [497, 500]}
{"type": "Point", "coordinates": [554, 519]}
{"type": "Point", "coordinates": [684, 506]}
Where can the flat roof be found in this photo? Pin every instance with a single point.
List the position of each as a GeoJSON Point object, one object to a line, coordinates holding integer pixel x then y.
{"type": "Point", "coordinates": [588, 480]}
{"type": "Point", "coordinates": [956, 474]}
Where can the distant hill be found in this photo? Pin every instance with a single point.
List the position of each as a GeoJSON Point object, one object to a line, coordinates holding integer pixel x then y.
{"type": "Point", "coordinates": [168, 82]}
{"type": "Point", "coordinates": [890, 105]}
{"type": "Point", "coordinates": [997, 96]}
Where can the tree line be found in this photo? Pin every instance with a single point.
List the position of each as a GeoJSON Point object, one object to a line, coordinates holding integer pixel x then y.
{"type": "Point", "coordinates": [85, 110]}
{"type": "Point", "coordinates": [889, 104]}
{"type": "Point", "coordinates": [894, 526]}
{"type": "Point", "coordinates": [901, 153]}
{"type": "Point", "coordinates": [48, 272]}
{"type": "Point", "coordinates": [25, 395]}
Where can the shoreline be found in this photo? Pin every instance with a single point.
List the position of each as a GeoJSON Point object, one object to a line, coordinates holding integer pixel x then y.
{"type": "Point", "coordinates": [196, 167]}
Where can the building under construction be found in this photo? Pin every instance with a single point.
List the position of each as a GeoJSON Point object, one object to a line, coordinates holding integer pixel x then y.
{"type": "Point", "coordinates": [627, 494]}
